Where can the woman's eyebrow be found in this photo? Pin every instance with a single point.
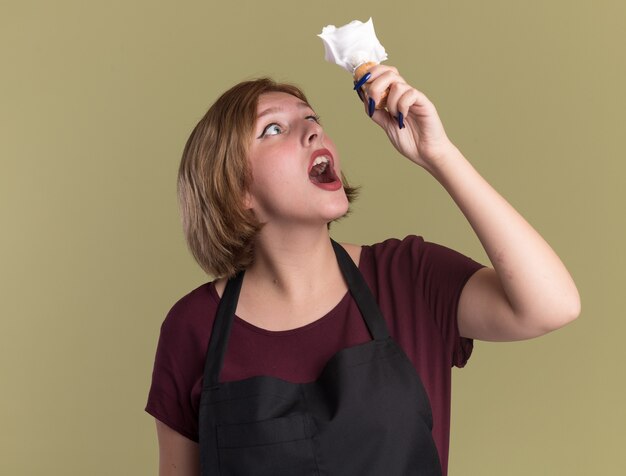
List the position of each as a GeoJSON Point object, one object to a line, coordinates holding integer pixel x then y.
{"type": "Point", "coordinates": [301, 105]}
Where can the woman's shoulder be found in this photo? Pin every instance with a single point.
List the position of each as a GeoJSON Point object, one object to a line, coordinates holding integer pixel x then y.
{"type": "Point", "coordinates": [416, 251]}
{"type": "Point", "coordinates": [354, 251]}
{"type": "Point", "coordinates": [388, 246]}
{"type": "Point", "coordinates": [190, 310]}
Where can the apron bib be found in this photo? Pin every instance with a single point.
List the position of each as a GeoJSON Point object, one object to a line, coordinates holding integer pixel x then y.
{"type": "Point", "coordinates": [366, 414]}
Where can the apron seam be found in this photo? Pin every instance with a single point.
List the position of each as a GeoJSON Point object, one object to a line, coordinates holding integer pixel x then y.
{"type": "Point", "coordinates": [308, 422]}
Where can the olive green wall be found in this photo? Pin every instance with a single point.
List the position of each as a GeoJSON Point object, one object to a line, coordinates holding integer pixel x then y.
{"type": "Point", "coordinates": [96, 102]}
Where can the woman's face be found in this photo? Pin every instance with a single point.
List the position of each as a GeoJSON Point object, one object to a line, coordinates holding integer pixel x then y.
{"type": "Point", "coordinates": [286, 188]}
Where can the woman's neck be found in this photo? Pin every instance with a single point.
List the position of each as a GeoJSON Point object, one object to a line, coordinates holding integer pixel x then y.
{"type": "Point", "coordinates": [293, 265]}
{"type": "Point", "coordinates": [292, 282]}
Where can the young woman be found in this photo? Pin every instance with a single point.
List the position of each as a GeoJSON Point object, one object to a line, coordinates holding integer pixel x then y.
{"type": "Point", "coordinates": [307, 356]}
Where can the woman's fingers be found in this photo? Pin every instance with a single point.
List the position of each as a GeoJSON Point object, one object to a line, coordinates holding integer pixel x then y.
{"type": "Point", "coordinates": [380, 69]}
{"type": "Point", "coordinates": [398, 99]}
{"type": "Point", "coordinates": [383, 83]}
{"type": "Point", "coordinates": [380, 81]}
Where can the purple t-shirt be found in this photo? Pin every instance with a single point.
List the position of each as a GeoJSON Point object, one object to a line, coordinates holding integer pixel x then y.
{"type": "Point", "coordinates": [416, 284]}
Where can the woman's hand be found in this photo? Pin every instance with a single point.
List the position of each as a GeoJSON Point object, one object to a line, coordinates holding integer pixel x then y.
{"type": "Point", "coordinates": [410, 119]}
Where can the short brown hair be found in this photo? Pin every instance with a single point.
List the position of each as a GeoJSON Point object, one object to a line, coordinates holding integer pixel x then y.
{"type": "Point", "coordinates": [214, 175]}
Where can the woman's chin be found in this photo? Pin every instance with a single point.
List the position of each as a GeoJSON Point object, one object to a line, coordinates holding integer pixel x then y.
{"type": "Point", "coordinates": [337, 209]}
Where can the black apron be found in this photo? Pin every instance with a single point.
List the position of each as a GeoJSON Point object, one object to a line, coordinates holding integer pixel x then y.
{"type": "Point", "coordinates": [366, 414]}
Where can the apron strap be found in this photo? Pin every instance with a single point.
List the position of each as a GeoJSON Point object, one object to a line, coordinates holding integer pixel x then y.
{"type": "Point", "coordinates": [361, 293]}
{"type": "Point", "coordinates": [221, 330]}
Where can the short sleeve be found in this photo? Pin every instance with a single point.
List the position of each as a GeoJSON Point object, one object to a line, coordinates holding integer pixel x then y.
{"type": "Point", "coordinates": [423, 280]}
{"type": "Point", "coordinates": [442, 273]}
{"type": "Point", "coordinates": [177, 371]}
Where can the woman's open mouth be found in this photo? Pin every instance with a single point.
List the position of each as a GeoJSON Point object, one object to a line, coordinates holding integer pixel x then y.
{"type": "Point", "coordinates": [322, 172]}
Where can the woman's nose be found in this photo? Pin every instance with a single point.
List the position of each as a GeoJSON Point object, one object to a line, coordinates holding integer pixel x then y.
{"type": "Point", "coordinates": [312, 133]}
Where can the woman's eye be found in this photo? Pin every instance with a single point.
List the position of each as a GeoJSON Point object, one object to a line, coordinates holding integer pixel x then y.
{"type": "Point", "coordinates": [274, 129]}
{"type": "Point", "coordinates": [271, 130]}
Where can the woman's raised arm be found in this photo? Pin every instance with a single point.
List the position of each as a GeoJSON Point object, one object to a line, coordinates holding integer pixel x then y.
{"type": "Point", "coordinates": [529, 292]}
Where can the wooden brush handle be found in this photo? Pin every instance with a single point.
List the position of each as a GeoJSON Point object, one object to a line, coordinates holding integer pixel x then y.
{"type": "Point", "coordinates": [359, 72]}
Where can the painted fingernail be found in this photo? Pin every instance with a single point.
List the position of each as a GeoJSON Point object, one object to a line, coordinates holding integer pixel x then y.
{"type": "Point", "coordinates": [362, 81]}
{"type": "Point", "coordinates": [359, 93]}
{"type": "Point", "coordinates": [400, 120]}
{"type": "Point", "coordinates": [371, 105]}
